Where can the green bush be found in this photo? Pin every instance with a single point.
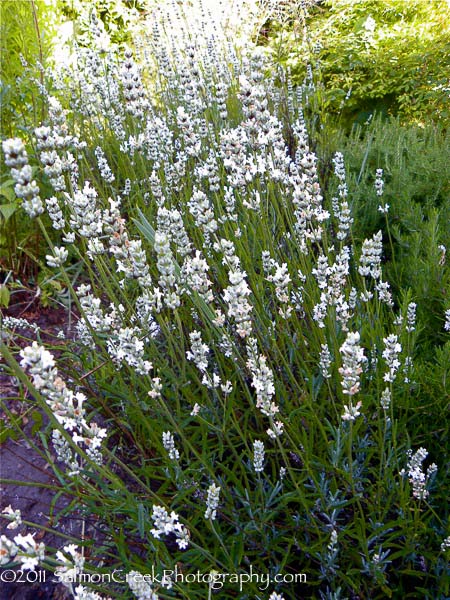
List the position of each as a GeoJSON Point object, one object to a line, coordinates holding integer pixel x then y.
{"type": "Point", "coordinates": [390, 56]}
{"type": "Point", "coordinates": [416, 233]}
{"type": "Point", "coordinates": [415, 162]}
{"type": "Point", "coordinates": [27, 30]}
{"type": "Point", "coordinates": [245, 390]}
{"type": "Point", "coordinates": [117, 19]}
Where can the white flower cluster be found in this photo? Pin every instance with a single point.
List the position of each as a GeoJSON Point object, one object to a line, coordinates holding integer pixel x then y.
{"type": "Point", "coordinates": [280, 277]}
{"type": "Point", "coordinates": [127, 346]}
{"type": "Point", "coordinates": [171, 223]}
{"type": "Point", "coordinates": [15, 322]}
{"type": "Point", "coordinates": [221, 93]}
{"type": "Point", "coordinates": [384, 293]}
{"type": "Point", "coordinates": [411, 317]}
{"type": "Point", "coordinates": [339, 171]}
{"type": "Point", "coordinates": [447, 320]}
{"type": "Point", "coordinates": [370, 259]}
{"type": "Point", "coordinates": [445, 544]}
{"type": "Point", "coordinates": [379, 183]}
{"type": "Point", "coordinates": [93, 317]}
{"type": "Point", "coordinates": [233, 145]}
{"type": "Point", "coordinates": [85, 216]}
{"type": "Point", "coordinates": [189, 138]}
{"type": "Point", "coordinates": [345, 220]}
{"type": "Point", "coordinates": [239, 308]}
{"type": "Point", "coordinates": [55, 213]}
{"type": "Point", "coordinates": [53, 143]}
{"type": "Point", "coordinates": [131, 259]}
{"type": "Point", "coordinates": [194, 276]}
{"type": "Point", "coordinates": [341, 208]}
{"type": "Point", "coordinates": [418, 478]}
{"type": "Point", "coordinates": [164, 524]}
{"type": "Point", "coordinates": [258, 456]}
{"type": "Point", "coordinates": [332, 281]}
{"type": "Point", "coordinates": [71, 566]}
{"type": "Point", "coordinates": [200, 208]}
{"type": "Point", "coordinates": [104, 168]}
{"type": "Point", "coordinates": [306, 193]}
{"type": "Point", "coordinates": [26, 188]}
{"type": "Point", "coordinates": [325, 361]}
{"type": "Point", "coordinates": [263, 383]}
{"type": "Point", "coordinates": [140, 587]}
{"type": "Point", "coordinates": [67, 406]}
{"type": "Point", "coordinates": [166, 267]}
{"type": "Point", "coordinates": [254, 102]}
{"type": "Point", "coordinates": [212, 502]}
{"type": "Point", "coordinates": [352, 360]}
{"type": "Point", "coordinates": [24, 549]}
{"type": "Point", "coordinates": [322, 271]}
{"type": "Point", "coordinates": [379, 188]}
{"type": "Point", "coordinates": [129, 255]}
{"type": "Point", "coordinates": [336, 292]}
{"type": "Point", "coordinates": [198, 352]}
{"type": "Point", "coordinates": [209, 170]}
{"type": "Point", "coordinates": [386, 398]}
{"type": "Point", "coordinates": [169, 445]}
{"type": "Point", "coordinates": [12, 515]}
{"type": "Point", "coordinates": [333, 543]}
{"type": "Point", "coordinates": [351, 412]}
{"type": "Point", "coordinates": [59, 257]}
{"type": "Point", "coordinates": [133, 90]}
{"type": "Point", "coordinates": [392, 349]}
{"type": "Point", "coordinates": [83, 593]}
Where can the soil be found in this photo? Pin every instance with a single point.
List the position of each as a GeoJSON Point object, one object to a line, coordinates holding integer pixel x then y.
{"type": "Point", "coordinates": [24, 471]}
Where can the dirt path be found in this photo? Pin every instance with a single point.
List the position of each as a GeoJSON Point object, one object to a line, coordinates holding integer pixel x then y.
{"type": "Point", "coordinates": [27, 480]}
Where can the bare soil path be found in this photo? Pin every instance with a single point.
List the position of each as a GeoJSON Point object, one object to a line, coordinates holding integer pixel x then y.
{"type": "Point", "coordinates": [27, 481]}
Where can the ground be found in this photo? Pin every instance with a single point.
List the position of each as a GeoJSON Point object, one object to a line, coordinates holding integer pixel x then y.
{"type": "Point", "coordinates": [20, 462]}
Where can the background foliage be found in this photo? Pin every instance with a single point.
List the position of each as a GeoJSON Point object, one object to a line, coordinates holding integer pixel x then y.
{"type": "Point", "coordinates": [27, 33]}
{"type": "Point", "coordinates": [390, 56]}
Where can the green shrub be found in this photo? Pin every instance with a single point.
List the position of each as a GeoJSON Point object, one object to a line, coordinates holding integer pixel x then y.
{"type": "Point", "coordinates": [117, 19]}
{"type": "Point", "coordinates": [390, 56]}
{"type": "Point", "coordinates": [27, 30]}
{"type": "Point", "coordinates": [415, 163]}
{"type": "Point", "coordinates": [241, 391]}
{"type": "Point", "coordinates": [26, 34]}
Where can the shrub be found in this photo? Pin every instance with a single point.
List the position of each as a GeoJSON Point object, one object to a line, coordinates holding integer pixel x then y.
{"type": "Point", "coordinates": [27, 30]}
{"type": "Point", "coordinates": [234, 400]}
{"type": "Point", "coordinates": [415, 163]}
{"type": "Point", "coordinates": [117, 19]}
{"type": "Point", "coordinates": [389, 57]}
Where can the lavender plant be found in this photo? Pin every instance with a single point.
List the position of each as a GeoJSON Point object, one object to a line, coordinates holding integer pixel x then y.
{"type": "Point", "coordinates": [231, 400]}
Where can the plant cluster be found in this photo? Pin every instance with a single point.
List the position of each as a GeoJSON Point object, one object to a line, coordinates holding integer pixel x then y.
{"type": "Point", "coordinates": [233, 400]}
{"type": "Point", "coordinates": [372, 56]}
{"type": "Point", "coordinates": [27, 31]}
